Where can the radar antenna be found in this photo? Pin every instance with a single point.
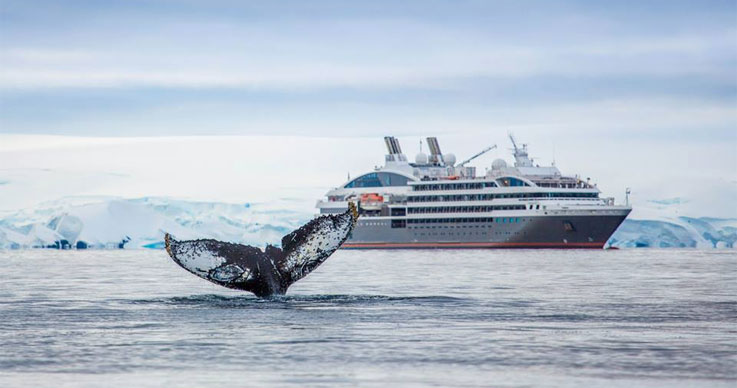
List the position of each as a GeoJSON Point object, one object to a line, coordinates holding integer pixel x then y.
{"type": "Point", "coordinates": [485, 150]}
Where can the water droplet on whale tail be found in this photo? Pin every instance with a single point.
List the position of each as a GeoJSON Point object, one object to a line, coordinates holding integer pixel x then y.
{"type": "Point", "coordinates": [272, 270]}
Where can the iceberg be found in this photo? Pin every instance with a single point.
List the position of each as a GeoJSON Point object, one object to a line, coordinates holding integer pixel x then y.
{"type": "Point", "coordinates": [661, 224]}
{"type": "Point", "coordinates": [141, 223]}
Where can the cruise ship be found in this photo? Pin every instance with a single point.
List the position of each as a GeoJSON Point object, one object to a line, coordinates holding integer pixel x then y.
{"type": "Point", "coordinates": [438, 203]}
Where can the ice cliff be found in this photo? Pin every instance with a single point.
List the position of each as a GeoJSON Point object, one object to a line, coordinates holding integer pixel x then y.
{"type": "Point", "coordinates": [141, 223]}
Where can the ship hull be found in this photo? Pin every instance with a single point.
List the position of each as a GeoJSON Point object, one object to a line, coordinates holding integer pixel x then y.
{"type": "Point", "coordinates": [562, 232]}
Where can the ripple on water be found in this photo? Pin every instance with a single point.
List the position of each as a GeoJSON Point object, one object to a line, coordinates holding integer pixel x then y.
{"type": "Point", "coordinates": [286, 301]}
{"type": "Point", "coordinates": [530, 318]}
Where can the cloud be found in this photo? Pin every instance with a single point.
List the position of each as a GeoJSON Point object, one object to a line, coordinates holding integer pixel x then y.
{"type": "Point", "coordinates": [638, 94]}
{"type": "Point", "coordinates": [168, 68]}
{"type": "Point", "coordinates": [281, 62]}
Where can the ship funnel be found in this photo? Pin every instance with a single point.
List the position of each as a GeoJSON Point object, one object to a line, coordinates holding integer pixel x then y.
{"type": "Point", "coordinates": [435, 155]}
{"type": "Point", "coordinates": [394, 150]}
{"type": "Point", "coordinates": [392, 145]}
{"type": "Point", "coordinates": [396, 145]}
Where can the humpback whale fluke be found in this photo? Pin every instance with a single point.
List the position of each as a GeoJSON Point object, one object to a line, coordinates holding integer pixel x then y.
{"type": "Point", "coordinates": [267, 272]}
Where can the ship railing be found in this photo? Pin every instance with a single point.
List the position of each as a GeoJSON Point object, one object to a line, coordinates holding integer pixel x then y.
{"type": "Point", "coordinates": [578, 199]}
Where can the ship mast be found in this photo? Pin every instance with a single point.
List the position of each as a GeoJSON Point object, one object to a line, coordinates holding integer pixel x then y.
{"type": "Point", "coordinates": [521, 158]}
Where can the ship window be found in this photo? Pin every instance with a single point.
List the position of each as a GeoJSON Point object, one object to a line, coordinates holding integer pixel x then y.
{"type": "Point", "coordinates": [398, 211]}
{"type": "Point", "coordinates": [378, 179]}
{"type": "Point", "coordinates": [511, 181]}
{"type": "Point", "coordinates": [399, 223]}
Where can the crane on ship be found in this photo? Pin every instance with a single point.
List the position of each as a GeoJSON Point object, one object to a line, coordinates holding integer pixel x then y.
{"type": "Point", "coordinates": [485, 150]}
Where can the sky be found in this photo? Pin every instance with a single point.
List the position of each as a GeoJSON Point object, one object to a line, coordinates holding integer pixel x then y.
{"type": "Point", "coordinates": [639, 94]}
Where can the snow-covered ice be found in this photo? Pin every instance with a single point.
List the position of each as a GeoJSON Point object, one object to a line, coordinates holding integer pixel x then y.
{"type": "Point", "coordinates": [103, 222]}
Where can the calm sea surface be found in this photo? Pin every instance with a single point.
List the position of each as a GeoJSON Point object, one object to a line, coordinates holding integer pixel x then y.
{"type": "Point", "coordinates": [375, 319]}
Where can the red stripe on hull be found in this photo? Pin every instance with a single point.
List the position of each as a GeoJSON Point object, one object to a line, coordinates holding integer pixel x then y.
{"type": "Point", "coordinates": [586, 245]}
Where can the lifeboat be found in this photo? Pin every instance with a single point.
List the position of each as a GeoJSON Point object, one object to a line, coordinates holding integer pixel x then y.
{"type": "Point", "coordinates": [371, 201]}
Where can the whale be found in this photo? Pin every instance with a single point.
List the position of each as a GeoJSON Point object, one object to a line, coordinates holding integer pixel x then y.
{"type": "Point", "coordinates": [270, 271]}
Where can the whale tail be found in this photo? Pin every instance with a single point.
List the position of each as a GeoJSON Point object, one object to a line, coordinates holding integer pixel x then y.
{"type": "Point", "coordinates": [272, 270]}
{"type": "Point", "coordinates": [167, 243]}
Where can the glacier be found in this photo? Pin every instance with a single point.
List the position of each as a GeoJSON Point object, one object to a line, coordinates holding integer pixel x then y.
{"type": "Point", "coordinates": [104, 222]}
{"type": "Point", "coordinates": [113, 223]}
{"type": "Point", "coordinates": [670, 223]}
{"type": "Point", "coordinates": [682, 232]}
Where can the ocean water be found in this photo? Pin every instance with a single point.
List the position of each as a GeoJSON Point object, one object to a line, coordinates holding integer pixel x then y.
{"type": "Point", "coordinates": [471, 318]}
